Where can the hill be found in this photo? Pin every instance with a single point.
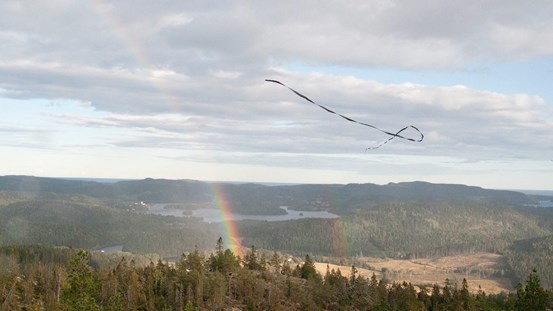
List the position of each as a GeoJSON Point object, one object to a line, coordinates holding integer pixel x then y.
{"type": "Point", "coordinates": [42, 278]}
{"type": "Point", "coordinates": [85, 222]}
{"type": "Point", "coordinates": [259, 199]}
{"type": "Point", "coordinates": [404, 221]}
{"type": "Point", "coordinates": [401, 231]}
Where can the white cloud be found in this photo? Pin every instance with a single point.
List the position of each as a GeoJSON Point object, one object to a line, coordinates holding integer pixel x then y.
{"type": "Point", "coordinates": [196, 36]}
{"type": "Point", "coordinates": [457, 121]}
{"type": "Point", "coordinates": [174, 20]}
{"type": "Point", "coordinates": [517, 40]}
{"type": "Point", "coordinates": [184, 75]}
{"type": "Point", "coordinates": [222, 74]}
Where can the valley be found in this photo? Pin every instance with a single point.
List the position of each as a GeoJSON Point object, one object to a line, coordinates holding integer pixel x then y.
{"type": "Point", "coordinates": [416, 232]}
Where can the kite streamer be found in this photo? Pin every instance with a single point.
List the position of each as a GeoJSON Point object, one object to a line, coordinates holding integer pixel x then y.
{"type": "Point", "coordinates": [392, 135]}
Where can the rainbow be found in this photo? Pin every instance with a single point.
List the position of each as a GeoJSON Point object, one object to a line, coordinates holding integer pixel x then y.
{"type": "Point", "coordinates": [231, 238]}
{"type": "Point", "coordinates": [339, 245]}
{"type": "Point", "coordinates": [141, 56]}
{"type": "Point", "coordinates": [337, 230]}
{"type": "Point", "coordinates": [136, 50]}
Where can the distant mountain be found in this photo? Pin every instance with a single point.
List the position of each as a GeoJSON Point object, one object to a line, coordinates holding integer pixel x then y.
{"type": "Point", "coordinates": [151, 190]}
{"type": "Point", "coordinates": [261, 199]}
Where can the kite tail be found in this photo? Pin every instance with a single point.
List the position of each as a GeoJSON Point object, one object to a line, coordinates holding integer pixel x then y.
{"type": "Point", "coordinates": [392, 135]}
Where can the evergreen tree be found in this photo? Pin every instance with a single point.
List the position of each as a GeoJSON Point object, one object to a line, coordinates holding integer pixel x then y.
{"type": "Point", "coordinates": [223, 260]}
{"type": "Point", "coordinates": [464, 296]}
{"type": "Point", "coordinates": [532, 296]}
{"type": "Point", "coordinates": [82, 284]}
{"type": "Point", "coordinates": [219, 246]}
{"type": "Point", "coordinates": [436, 300]}
{"type": "Point", "coordinates": [251, 260]}
{"type": "Point", "coordinates": [229, 262]}
{"type": "Point", "coordinates": [276, 262]}
{"type": "Point", "coordinates": [308, 270]}
{"type": "Point", "coordinates": [189, 286]}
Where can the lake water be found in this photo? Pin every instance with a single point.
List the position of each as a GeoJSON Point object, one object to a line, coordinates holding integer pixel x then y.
{"type": "Point", "coordinates": [545, 203]}
{"type": "Point", "coordinates": [542, 203]}
{"type": "Point", "coordinates": [213, 215]}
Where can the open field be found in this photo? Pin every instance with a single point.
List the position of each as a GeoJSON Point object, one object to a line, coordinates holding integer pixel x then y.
{"type": "Point", "coordinates": [481, 270]}
{"type": "Point", "coordinates": [346, 270]}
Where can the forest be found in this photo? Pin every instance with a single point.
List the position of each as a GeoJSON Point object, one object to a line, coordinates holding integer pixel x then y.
{"type": "Point", "coordinates": [396, 221]}
{"type": "Point", "coordinates": [43, 278]}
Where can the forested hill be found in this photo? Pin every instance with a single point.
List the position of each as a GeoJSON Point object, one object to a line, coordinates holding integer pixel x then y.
{"type": "Point", "coordinates": [262, 199]}
{"type": "Point", "coordinates": [150, 190]}
{"type": "Point", "coordinates": [403, 220]}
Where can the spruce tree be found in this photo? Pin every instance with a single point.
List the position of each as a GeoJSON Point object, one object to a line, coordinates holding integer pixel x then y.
{"type": "Point", "coordinates": [532, 296]}
{"type": "Point", "coordinates": [82, 285]}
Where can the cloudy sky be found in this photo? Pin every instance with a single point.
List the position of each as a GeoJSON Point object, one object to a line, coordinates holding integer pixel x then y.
{"type": "Point", "coordinates": [175, 89]}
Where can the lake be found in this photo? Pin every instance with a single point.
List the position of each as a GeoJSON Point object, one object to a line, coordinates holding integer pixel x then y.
{"type": "Point", "coordinates": [213, 215]}
{"type": "Point", "coordinates": [542, 203]}
{"type": "Point", "coordinates": [545, 203]}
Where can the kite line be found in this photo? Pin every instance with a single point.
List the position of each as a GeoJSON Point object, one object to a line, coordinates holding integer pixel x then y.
{"type": "Point", "coordinates": [392, 135]}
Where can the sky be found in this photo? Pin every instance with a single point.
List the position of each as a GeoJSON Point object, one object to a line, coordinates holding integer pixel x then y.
{"type": "Point", "coordinates": [176, 90]}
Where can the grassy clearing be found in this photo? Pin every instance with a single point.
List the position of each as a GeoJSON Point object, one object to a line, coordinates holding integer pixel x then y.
{"type": "Point", "coordinates": [482, 271]}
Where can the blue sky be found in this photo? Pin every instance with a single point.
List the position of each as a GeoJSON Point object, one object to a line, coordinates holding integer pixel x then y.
{"type": "Point", "coordinates": [526, 76]}
{"type": "Point", "coordinates": [175, 89]}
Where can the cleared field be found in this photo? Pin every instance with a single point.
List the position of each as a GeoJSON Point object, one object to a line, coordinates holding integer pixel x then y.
{"type": "Point", "coordinates": [481, 270]}
{"type": "Point", "coordinates": [346, 270]}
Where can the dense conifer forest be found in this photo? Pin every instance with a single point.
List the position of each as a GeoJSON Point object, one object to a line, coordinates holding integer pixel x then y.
{"type": "Point", "coordinates": [43, 278]}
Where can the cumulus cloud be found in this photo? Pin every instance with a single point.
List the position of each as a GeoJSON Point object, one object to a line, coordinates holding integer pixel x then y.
{"type": "Point", "coordinates": [189, 74]}
{"type": "Point", "coordinates": [457, 120]}
{"type": "Point", "coordinates": [192, 36]}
